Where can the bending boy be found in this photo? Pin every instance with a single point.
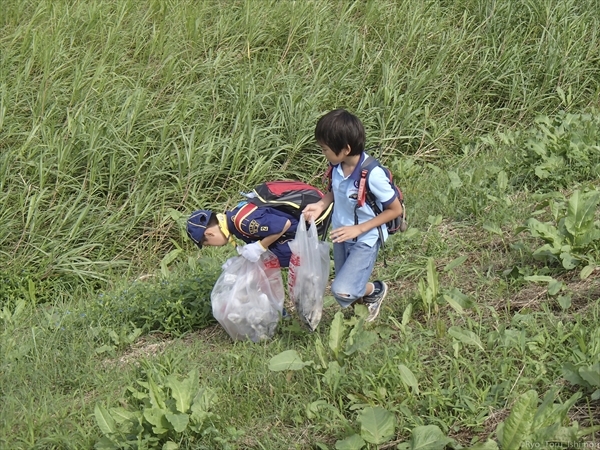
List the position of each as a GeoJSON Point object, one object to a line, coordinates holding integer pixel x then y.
{"type": "Point", "coordinates": [355, 237]}
{"type": "Point", "coordinates": [261, 228]}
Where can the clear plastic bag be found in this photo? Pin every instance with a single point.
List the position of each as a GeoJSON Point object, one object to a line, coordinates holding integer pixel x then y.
{"type": "Point", "coordinates": [309, 273]}
{"type": "Point", "coordinates": [247, 299]}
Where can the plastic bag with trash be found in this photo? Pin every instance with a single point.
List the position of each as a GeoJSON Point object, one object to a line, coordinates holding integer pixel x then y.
{"type": "Point", "coordinates": [247, 299]}
{"type": "Point", "coordinates": [309, 273]}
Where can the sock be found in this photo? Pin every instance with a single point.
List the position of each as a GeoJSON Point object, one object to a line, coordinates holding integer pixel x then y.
{"type": "Point", "coordinates": [376, 288]}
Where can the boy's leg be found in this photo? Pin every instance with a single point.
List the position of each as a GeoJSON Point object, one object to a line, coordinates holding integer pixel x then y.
{"type": "Point", "coordinates": [354, 262]}
{"type": "Point", "coordinates": [374, 300]}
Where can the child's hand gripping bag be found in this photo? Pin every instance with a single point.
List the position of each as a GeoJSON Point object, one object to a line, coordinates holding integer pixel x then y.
{"type": "Point", "coordinates": [247, 299]}
{"type": "Point", "coordinates": [309, 273]}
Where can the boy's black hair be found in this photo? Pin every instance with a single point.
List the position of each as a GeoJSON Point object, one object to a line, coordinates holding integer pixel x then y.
{"type": "Point", "coordinates": [339, 128]}
{"type": "Point", "coordinates": [212, 221]}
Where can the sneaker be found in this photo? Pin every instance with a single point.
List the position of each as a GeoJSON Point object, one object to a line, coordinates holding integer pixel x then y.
{"type": "Point", "coordinates": [374, 300]}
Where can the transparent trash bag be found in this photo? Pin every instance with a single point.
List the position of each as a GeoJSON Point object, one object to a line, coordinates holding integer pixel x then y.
{"type": "Point", "coordinates": [247, 299]}
{"type": "Point", "coordinates": [309, 273]}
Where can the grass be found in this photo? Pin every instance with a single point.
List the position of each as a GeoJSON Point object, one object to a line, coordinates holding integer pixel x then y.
{"type": "Point", "coordinates": [117, 119]}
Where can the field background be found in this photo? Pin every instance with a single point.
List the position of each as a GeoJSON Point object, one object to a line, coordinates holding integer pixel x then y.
{"type": "Point", "coordinates": [119, 118]}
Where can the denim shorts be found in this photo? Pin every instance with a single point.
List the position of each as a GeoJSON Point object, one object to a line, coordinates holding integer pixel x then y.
{"type": "Point", "coordinates": [354, 263]}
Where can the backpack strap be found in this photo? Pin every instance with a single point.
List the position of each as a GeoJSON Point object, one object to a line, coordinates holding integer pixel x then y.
{"type": "Point", "coordinates": [328, 177]}
{"type": "Point", "coordinates": [242, 214]}
{"type": "Point", "coordinates": [369, 164]}
{"type": "Point", "coordinates": [363, 185]}
{"type": "Point", "coordinates": [364, 193]}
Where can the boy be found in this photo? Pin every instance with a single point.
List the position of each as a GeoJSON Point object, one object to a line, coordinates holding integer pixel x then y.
{"type": "Point", "coordinates": [262, 228]}
{"type": "Point", "coordinates": [356, 243]}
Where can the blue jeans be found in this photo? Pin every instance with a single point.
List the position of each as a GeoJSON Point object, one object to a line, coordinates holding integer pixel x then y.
{"type": "Point", "coordinates": [354, 262]}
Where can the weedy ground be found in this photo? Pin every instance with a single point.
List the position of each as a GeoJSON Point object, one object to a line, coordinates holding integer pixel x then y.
{"type": "Point", "coordinates": [118, 119]}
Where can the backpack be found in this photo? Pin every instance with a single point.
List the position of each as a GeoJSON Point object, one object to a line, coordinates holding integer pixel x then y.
{"type": "Point", "coordinates": [290, 197]}
{"type": "Point", "coordinates": [366, 196]}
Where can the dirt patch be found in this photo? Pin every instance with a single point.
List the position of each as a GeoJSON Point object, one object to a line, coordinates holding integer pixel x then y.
{"type": "Point", "coordinates": [214, 338]}
{"type": "Point", "coordinates": [530, 297]}
{"type": "Point", "coordinates": [582, 292]}
{"type": "Point", "coordinates": [587, 415]}
{"type": "Point", "coordinates": [142, 348]}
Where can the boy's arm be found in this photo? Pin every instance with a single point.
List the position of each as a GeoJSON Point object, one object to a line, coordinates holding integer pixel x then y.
{"type": "Point", "coordinates": [271, 239]}
{"type": "Point", "coordinates": [390, 212]}
{"type": "Point", "coordinates": [253, 251]}
{"type": "Point", "coordinates": [380, 187]}
{"type": "Point", "coordinates": [314, 210]}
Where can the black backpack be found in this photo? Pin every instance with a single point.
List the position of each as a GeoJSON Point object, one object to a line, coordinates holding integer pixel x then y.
{"type": "Point", "coordinates": [290, 197]}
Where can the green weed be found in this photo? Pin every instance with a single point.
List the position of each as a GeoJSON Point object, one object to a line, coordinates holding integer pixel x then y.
{"type": "Point", "coordinates": [163, 411]}
{"type": "Point", "coordinates": [175, 305]}
{"type": "Point", "coordinates": [117, 119]}
{"type": "Point", "coordinates": [572, 240]}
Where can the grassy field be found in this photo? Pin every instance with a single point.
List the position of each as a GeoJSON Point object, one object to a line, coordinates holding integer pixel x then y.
{"type": "Point", "coordinates": [119, 118]}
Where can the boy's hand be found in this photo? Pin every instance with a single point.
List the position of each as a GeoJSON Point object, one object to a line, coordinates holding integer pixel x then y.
{"type": "Point", "coordinates": [252, 251]}
{"type": "Point", "coordinates": [312, 211]}
{"type": "Point", "coordinates": [344, 234]}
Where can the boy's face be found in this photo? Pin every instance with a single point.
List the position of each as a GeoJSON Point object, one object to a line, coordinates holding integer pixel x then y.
{"type": "Point", "coordinates": [214, 237]}
{"type": "Point", "coordinates": [331, 156]}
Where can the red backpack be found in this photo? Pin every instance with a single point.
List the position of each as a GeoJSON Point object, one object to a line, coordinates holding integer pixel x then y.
{"type": "Point", "coordinates": [290, 197]}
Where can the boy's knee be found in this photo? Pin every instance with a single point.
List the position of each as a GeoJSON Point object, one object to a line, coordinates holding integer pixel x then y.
{"type": "Point", "coordinates": [345, 300]}
{"type": "Point", "coordinates": [343, 293]}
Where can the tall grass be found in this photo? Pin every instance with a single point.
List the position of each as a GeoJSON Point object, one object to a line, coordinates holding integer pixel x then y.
{"type": "Point", "coordinates": [111, 113]}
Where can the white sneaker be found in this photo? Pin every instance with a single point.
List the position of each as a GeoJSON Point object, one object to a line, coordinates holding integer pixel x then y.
{"type": "Point", "coordinates": [373, 301]}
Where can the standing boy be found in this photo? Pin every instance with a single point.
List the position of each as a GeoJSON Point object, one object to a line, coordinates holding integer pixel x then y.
{"type": "Point", "coordinates": [355, 236]}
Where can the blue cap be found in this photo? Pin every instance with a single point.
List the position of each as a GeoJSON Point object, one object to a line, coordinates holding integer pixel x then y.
{"type": "Point", "coordinates": [196, 225]}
